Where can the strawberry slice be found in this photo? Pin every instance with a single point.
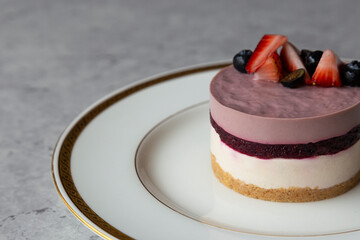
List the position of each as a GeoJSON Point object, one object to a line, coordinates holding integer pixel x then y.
{"type": "Point", "coordinates": [327, 71]}
{"type": "Point", "coordinates": [265, 48]}
{"type": "Point", "coordinates": [270, 70]}
{"type": "Point", "coordinates": [290, 58]}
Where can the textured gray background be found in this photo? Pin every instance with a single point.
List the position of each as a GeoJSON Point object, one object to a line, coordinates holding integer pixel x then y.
{"type": "Point", "coordinates": [58, 57]}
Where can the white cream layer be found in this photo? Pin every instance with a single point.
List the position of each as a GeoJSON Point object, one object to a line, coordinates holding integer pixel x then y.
{"type": "Point", "coordinates": [317, 172]}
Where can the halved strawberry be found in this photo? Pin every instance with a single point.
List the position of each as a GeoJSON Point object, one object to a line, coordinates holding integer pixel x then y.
{"type": "Point", "coordinates": [270, 70]}
{"type": "Point", "coordinates": [267, 46]}
{"type": "Point", "coordinates": [327, 71]}
{"type": "Point", "coordinates": [290, 58]}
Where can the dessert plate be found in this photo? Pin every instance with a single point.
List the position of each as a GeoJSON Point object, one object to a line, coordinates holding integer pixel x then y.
{"type": "Point", "coordinates": [136, 165]}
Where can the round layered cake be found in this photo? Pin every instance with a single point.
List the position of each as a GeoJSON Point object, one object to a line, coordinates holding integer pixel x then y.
{"type": "Point", "coordinates": [281, 144]}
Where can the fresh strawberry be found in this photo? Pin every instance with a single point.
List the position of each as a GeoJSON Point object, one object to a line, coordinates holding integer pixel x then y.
{"type": "Point", "coordinates": [290, 58]}
{"type": "Point", "coordinates": [265, 48]}
{"type": "Point", "coordinates": [270, 70]}
{"type": "Point", "coordinates": [327, 71]}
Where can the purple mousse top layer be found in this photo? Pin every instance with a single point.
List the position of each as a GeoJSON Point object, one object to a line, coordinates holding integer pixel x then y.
{"type": "Point", "coordinates": [267, 112]}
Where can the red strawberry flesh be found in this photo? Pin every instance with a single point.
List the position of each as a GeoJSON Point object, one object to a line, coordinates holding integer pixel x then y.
{"type": "Point", "coordinates": [290, 58]}
{"type": "Point", "coordinates": [266, 47]}
{"type": "Point", "coordinates": [270, 70]}
{"type": "Point", "coordinates": [327, 71]}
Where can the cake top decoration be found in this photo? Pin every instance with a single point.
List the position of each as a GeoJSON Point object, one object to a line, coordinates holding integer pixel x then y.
{"type": "Point", "coordinates": [294, 68]}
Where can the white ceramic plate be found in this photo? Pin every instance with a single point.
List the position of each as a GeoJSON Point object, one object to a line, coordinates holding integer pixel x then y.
{"type": "Point", "coordinates": [136, 165]}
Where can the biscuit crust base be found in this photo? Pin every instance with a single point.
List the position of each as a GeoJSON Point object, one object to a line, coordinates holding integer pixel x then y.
{"type": "Point", "coordinates": [292, 194]}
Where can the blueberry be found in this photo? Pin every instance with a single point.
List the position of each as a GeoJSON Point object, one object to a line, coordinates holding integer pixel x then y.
{"type": "Point", "coordinates": [350, 74]}
{"type": "Point", "coordinates": [241, 59]}
{"type": "Point", "coordinates": [304, 54]}
{"type": "Point", "coordinates": [312, 60]}
{"type": "Point", "coordinates": [294, 79]}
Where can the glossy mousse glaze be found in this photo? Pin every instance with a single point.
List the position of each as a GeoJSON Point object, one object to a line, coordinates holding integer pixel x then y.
{"type": "Point", "coordinates": [266, 112]}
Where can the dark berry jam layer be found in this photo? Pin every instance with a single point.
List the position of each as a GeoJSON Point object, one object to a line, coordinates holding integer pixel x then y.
{"type": "Point", "coordinates": [297, 151]}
